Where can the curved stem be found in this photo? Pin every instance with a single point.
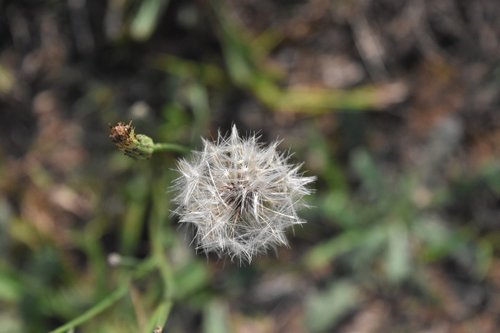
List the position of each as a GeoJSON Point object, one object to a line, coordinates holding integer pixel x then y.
{"type": "Point", "coordinates": [95, 310]}
{"type": "Point", "coordinates": [141, 270]}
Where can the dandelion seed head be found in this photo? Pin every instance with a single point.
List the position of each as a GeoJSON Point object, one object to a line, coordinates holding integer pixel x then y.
{"type": "Point", "coordinates": [240, 196]}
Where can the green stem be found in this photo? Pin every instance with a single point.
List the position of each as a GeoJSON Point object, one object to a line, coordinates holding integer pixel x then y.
{"type": "Point", "coordinates": [141, 270]}
{"type": "Point", "coordinates": [158, 252]}
{"type": "Point", "coordinates": [160, 316]}
{"type": "Point", "coordinates": [159, 147]}
{"type": "Point", "coordinates": [95, 310]}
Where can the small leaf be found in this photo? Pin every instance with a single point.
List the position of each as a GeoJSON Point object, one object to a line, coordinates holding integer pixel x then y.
{"type": "Point", "coordinates": [322, 254]}
{"type": "Point", "coordinates": [10, 286]}
{"type": "Point", "coordinates": [398, 253]}
{"type": "Point", "coordinates": [440, 240]}
{"type": "Point", "coordinates": [366, 169]}
{"type": "Point", "coordinates": [216, 318]}
{"type": "Point", "coordinates": [147, 18]}
{"type": "Point", "coordinates": [325, 309]}
{"type": "Point", "coordinates": [365, 240]}
{"type": "Point", "coordinates": [190, 278]}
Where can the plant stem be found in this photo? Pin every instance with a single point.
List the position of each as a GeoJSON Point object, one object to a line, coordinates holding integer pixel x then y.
{"type": "Point", "coordinates": [159, 147]}
{"type": "Point", "coordinates": [141, 270]}
{"type": "Point", "coordinates": [160, 213]}
{"type": "Point", "coordinates": [95, 310]}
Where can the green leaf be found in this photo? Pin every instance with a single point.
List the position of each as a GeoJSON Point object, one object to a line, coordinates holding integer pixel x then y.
{"type": "Point", "coordinates": [492, 177]}
{"type": "Point", "coordinates": [190, 278]}
{"type": "Point", "coordinates": [334, 205]}
{"type": "Point", "coordinates": [440, 240]}
{"type": "Point", "coordinates": [366, 169]}
{"type": "Point", "coordinates": [322, 254]}
{"type": "Point", "coordinates": [147, 18]}
{"type": "Point", "coordinates": [130, 232]}
{"type": "Point", "coordinates": [10, 286]}
{"type": "Point", "coordinates": [197, 98]}
{"type": "Point", "coordinates": [485, 257]}
{"type": "Point", "coordinates": [364, 240]}
{"type": "Point", "coordinates": [325, 309]}
{"type": "Point", "coordinates": [398, 253]}
{"type": "Point", "coordinates": [216, 318]}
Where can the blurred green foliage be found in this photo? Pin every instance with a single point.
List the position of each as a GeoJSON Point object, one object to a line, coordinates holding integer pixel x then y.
{"type": "Point", "coordinates": [127, 268]}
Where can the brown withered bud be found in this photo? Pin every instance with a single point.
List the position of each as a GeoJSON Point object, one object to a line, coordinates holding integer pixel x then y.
{"type": "Point", "coordinates": [134, 145]}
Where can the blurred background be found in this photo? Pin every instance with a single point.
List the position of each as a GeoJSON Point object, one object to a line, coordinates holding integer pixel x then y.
{"type": "Point", "coordinates": [393, 105]}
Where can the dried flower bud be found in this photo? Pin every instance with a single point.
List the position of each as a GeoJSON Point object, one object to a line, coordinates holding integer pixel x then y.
{"type": "Point", "coordinates": [240, 195]}
{"type": "Point", "coordinates": [137, 146]}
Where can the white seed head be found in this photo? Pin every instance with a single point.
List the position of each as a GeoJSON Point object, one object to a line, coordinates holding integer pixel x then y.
{"type": "Point", "coordinates": [241, 196]}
